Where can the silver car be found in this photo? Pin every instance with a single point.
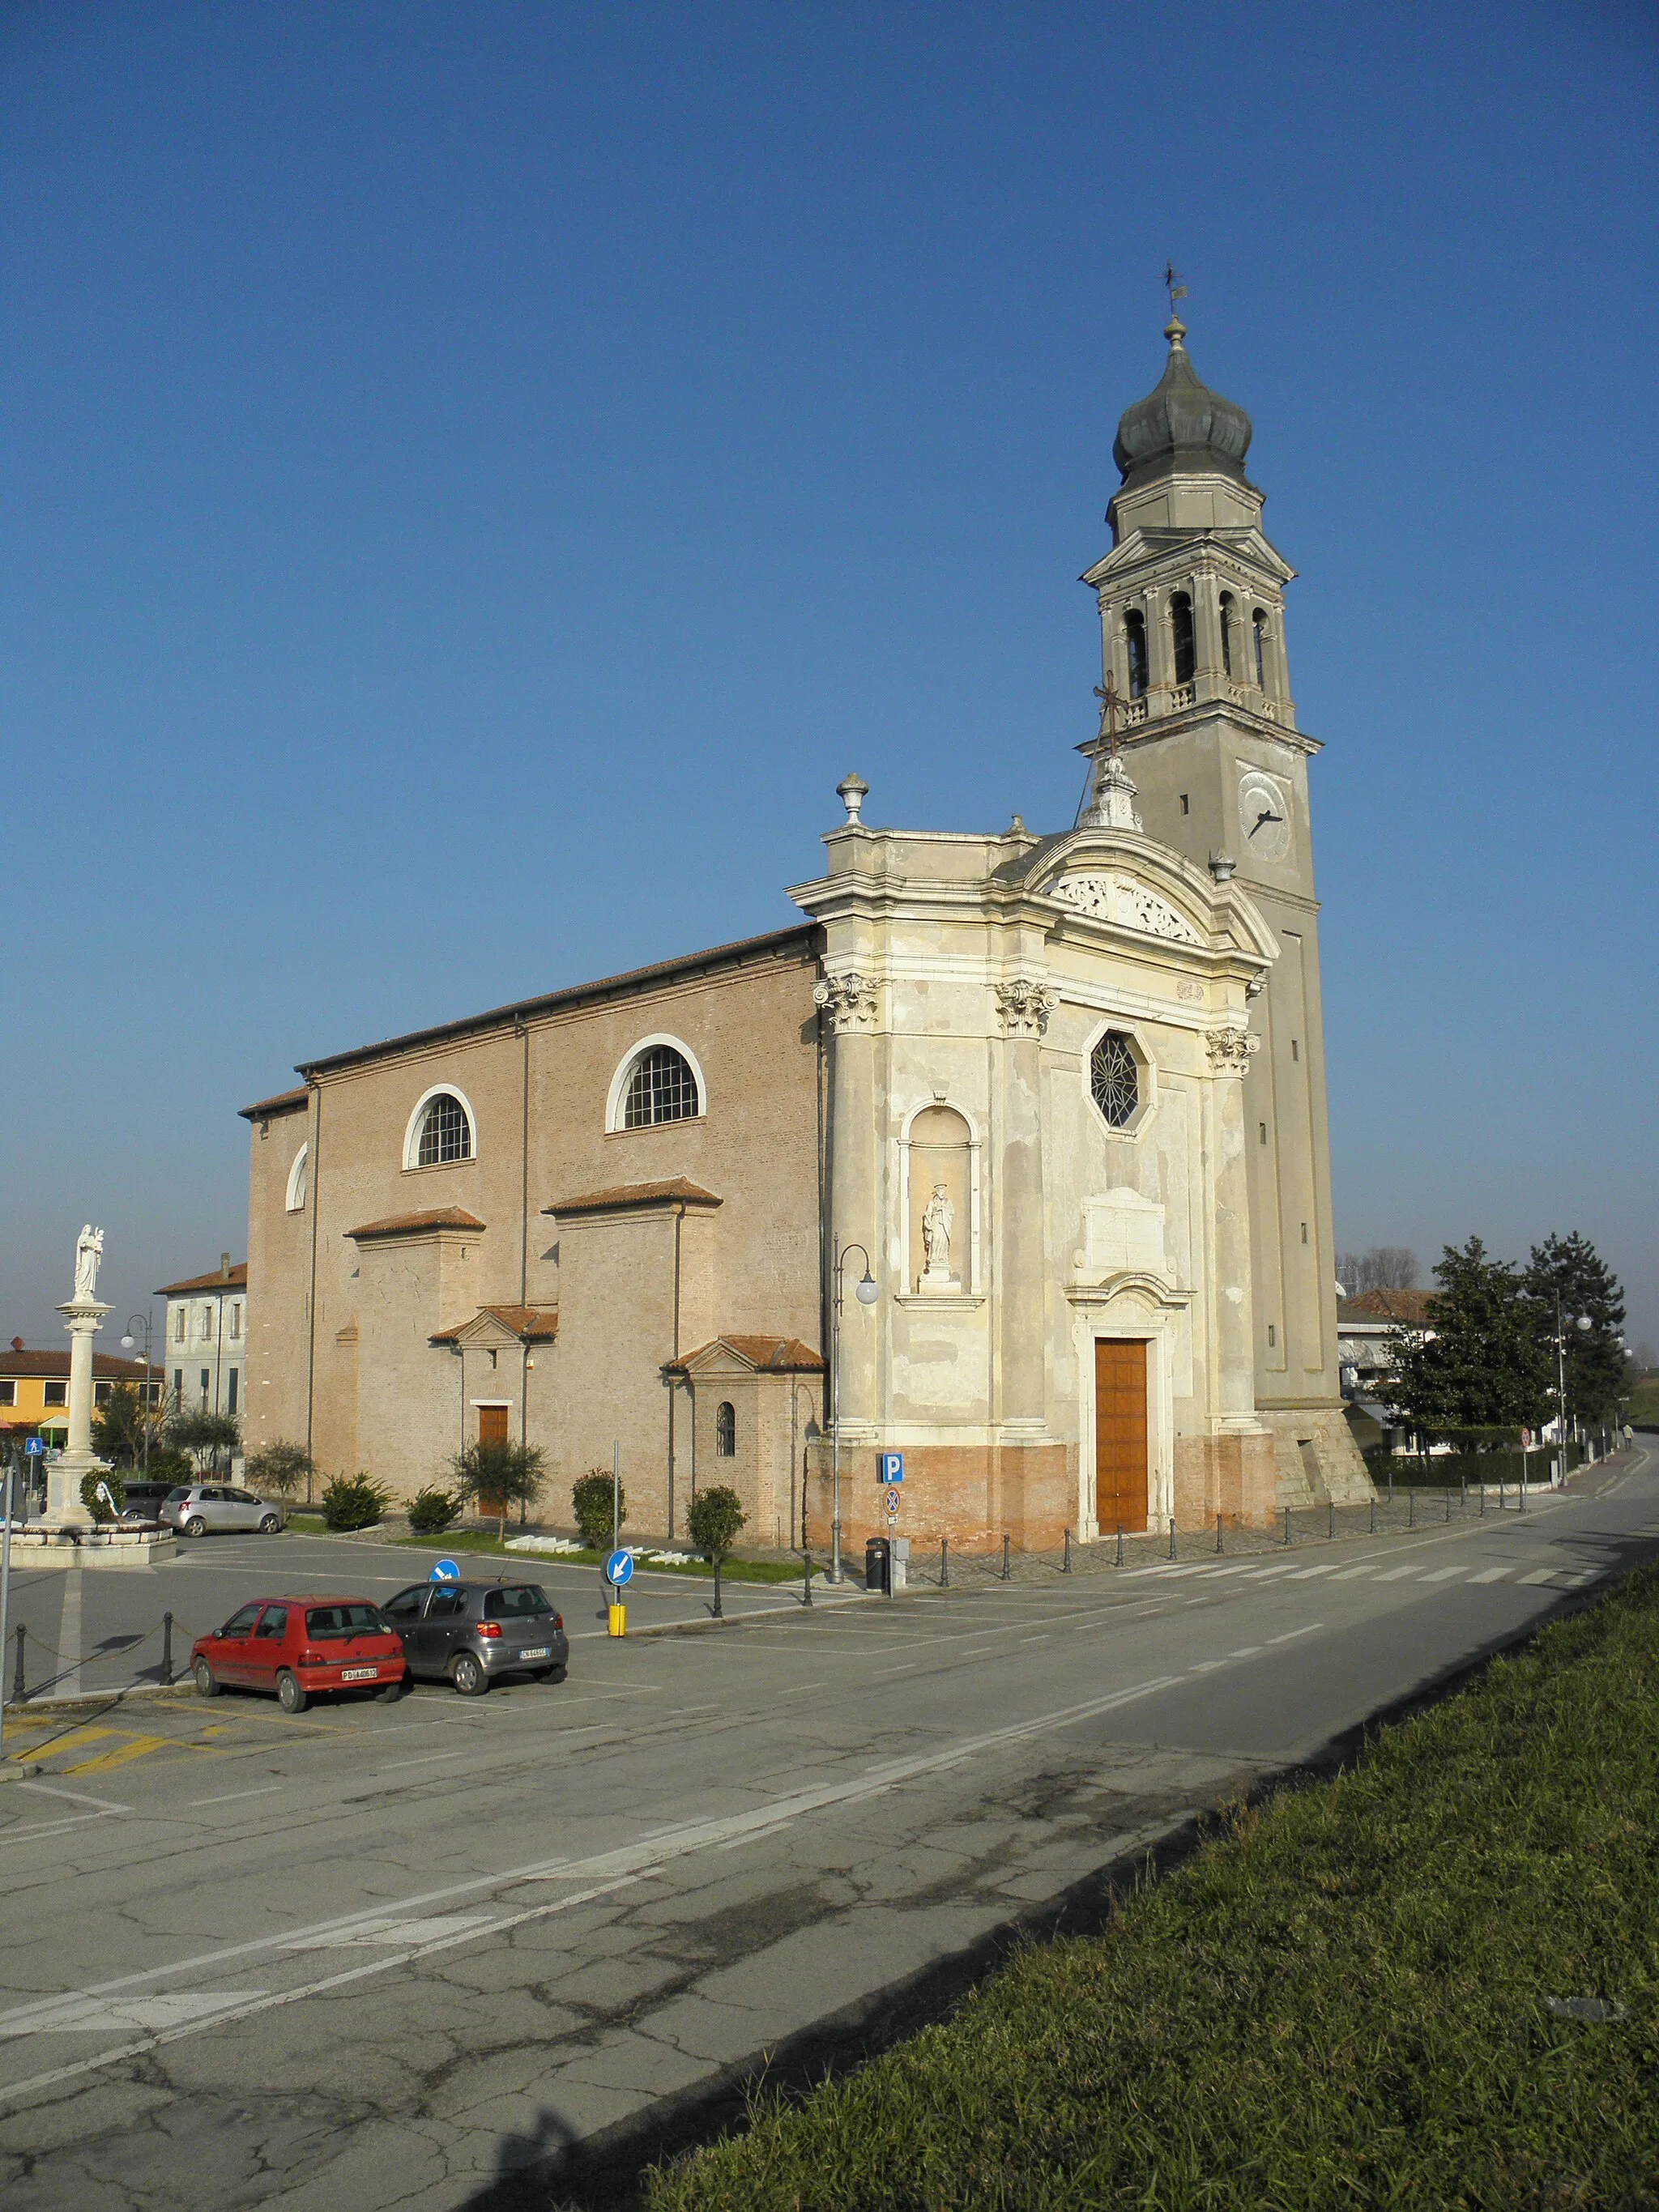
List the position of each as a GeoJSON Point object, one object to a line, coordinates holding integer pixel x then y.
{"type": "Point", "coordinates": [197, 1507]}
{"type": "Point", "coordinates": [470, 1633]}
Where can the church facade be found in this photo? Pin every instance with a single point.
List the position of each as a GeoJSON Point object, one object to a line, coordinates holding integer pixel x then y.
{"type": "Point", "coordinates": [1011, 1157]}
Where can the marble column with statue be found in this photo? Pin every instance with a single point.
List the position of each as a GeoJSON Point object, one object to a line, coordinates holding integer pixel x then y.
{"type": "Point", "coordinates": [84, 1315]}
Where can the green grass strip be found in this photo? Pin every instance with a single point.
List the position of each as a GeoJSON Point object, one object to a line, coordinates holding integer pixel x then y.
{"type": "Point", "coordinates": [1340, 2001]}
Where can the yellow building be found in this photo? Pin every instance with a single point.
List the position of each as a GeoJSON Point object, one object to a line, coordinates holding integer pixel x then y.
{"type": "Point", "coordinates": [34, 1388]}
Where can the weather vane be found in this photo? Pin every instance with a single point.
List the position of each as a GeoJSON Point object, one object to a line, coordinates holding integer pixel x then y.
{"type": "Point", "coordinates": [1109, 702]}
{"type": "Point", "coordinates": [1173, 285]}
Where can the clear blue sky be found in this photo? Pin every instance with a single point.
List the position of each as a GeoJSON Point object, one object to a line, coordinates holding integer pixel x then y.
{"type": "Point", "coordinates": [475, 477]}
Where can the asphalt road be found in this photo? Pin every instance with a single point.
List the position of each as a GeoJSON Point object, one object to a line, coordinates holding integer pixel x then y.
{"type": "Point", "coordinates": [454, 1953]}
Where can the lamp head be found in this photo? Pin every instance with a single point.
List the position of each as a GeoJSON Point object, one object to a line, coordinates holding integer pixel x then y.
{"type": "Point", "coordinates": [868, 1290]}
{"type": "Point", "coordinates": [127, 1343]}
{"type": "Point", "coordinates": [1584, 1322]}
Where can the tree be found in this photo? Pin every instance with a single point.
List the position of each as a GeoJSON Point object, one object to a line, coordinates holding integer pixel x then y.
{"type": "Point", "coordinates": [1571, 1268]}
{"type": "Point", "coordinates": [495, 1475]}
{"type": "Point", "coordinates": [278, 1466]}
{"type": "Point", "coordinates": [715, 1519]}
{"type": "Point", "coordinates": [120, 1424]}
{"type": "Point", "coordinates": [204, 1434]}
{"type": "Point", "coordinates": [594, 1500]}
{"type": "Point", "coordinates": [1480, 1361]}
{"type": "Point", "coordinates": [1384, 1267]}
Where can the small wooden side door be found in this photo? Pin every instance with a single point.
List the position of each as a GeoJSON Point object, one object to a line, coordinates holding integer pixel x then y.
{"type": "Point", "coordinates": [492, 1424]}
{"type": "Point", "coordinates": [1119, 1435]}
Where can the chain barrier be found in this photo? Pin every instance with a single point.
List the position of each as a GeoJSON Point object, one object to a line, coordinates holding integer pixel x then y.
{"type": "Point", "coordinates": [26, 1640]}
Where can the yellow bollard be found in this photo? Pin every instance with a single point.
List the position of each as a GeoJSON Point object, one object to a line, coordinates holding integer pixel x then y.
{"type": "Point", "coordinates": [617, 1616]}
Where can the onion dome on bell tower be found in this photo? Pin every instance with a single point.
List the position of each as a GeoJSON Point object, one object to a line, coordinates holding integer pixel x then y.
{"type": "Point", "coordinates": [1183, 425]}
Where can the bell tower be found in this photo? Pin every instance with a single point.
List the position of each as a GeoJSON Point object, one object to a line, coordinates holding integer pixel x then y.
{"type": "Point", "coordinates": [1192, 608]}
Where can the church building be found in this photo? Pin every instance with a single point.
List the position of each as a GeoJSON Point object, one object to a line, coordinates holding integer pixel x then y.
{"type": "Point", "coordinates": [1010, 1157]}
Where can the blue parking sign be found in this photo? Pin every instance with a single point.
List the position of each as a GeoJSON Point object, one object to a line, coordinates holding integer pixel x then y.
{"type": "Point", "coordinates": [890, 1468]}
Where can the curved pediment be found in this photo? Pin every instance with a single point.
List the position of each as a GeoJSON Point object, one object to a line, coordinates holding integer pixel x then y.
{"type": "Point", "coordinates": [1130, 881]}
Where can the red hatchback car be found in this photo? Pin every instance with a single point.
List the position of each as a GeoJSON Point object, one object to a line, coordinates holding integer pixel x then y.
{"type": "Point", "coordinates": [297, 1647]}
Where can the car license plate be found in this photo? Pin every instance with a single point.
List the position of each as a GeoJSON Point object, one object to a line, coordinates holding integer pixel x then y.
{"type": "Point", "coordinates": [541, 1651]}
{"type": "Point", "coordinates": [359, 1674]}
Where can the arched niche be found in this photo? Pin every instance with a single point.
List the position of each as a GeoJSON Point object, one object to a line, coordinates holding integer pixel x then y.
{"type": "Point", "coordinates": [941, 1155]}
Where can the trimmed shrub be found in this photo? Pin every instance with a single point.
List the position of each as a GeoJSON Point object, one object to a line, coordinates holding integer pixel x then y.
{"type": "Point", "coordinates": [431, 1510]}
{"type": "Point", "coordinates": [277, 1466]}
{"type": "Point", "coordinates": [594, 1500]}
{"type": "Point", "coordinates": [354, 1501]}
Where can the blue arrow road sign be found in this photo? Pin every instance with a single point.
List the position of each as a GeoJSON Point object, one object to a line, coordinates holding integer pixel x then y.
{"type": "Point", "coordinates": [891, 1468]}
{"type": "Point", "coordinates": [619, 1569]}
{"type": "Point", "coordinates": [446, 1571]}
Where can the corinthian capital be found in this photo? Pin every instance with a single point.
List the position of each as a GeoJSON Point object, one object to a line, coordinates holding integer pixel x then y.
{"type": "Point", "coordinates": [1025, 1004]}
{"type": "Point", "coordinates": [850, 1000]}
{"type": "Point", "coordinates": [1230, 1050]}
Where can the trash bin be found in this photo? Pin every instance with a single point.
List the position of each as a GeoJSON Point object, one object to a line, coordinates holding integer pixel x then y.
{"type": "Point", "coordinates": [876, 1564]}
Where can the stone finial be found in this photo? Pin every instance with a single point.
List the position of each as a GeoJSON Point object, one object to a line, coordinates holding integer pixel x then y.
{"type": "Point", "coordinates": [1222, 865]}
{"type": "Point", "coordinates": [1112, 804]}
{"type": "Point", "coordinates": [852, 790]}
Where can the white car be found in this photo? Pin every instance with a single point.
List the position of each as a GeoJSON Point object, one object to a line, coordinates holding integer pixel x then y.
{"type": "Point", "coordinates": [197, 1507]}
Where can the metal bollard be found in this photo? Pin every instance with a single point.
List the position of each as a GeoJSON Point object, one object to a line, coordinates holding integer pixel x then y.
{"type": "Point", "coordinates": [1483, 1501]}
{"type": "Point", "coordinates": [806, 1576]}
{"type": "Point", "coordinates": [1521, 1488]}
{"type": "Point", "coordinates": [1449, 1509]}
{"type": "Point", "coordinates": [1172, 1548]}
{"type": "Point", "coordinates": [1373, 1514]}
{"type": "Point", "coordinates": [1411, 1508]}
{"type": "Point", "coordinates": [945, 1563]}
{"type": "Point", "coordinates": [1287, 1525]}
{"type": "Point", "coordinates": [1463, 1495]}
{"type": "Point", "coordinates": [1005, 1557]}
{"type": "Point", "coordinates": [167, 1649]}
{"type": "Point", "coordinates": [19, 1688]}
{"type": "Point", "coordinates": [1331, 1531]}
{"type": "Point", "coordinates": [1218, 1533]}
{"type": "Point", "coordinates": [1066, 1563]}
{"type": "Point", "coordinates": [1120, 1544]}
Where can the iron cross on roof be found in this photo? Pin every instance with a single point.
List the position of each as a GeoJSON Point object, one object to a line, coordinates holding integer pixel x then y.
{"type": "Point", "coordinates": [1110, 701]}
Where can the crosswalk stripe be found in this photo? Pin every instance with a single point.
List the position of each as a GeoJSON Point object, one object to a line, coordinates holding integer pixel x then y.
{"type": "Point", "coordinates": [1538, 1574]}
{"type": "Point", "coordinates": [1443, 1573]}
{"type": "Point", "coordinates": [1491, 1575]}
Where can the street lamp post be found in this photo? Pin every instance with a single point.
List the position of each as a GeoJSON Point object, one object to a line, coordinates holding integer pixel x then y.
{"type": "Point", "coordinates": [796, 1393]}
{"type": "Point", "coordinates": [866, 1292]}
{"type": "Point", "coordinates": [136, 1323]}
{"type": "Point", "coordinates": [1583, 1323]}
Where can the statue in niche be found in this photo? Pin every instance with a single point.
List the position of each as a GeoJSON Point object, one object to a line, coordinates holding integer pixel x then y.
{"type": "Point", "coordinates": [88, 1251]}
{"type": "Point", "coordinates": [937, 1223]}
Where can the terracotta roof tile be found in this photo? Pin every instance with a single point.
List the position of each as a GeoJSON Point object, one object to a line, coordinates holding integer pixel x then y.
{"type": "Point", "coordinates": [235, 1281]}
{"type": "Point", "coordinates": [285, 1101]}
{"type": "Point", "coordinates": [411, 1224]}
{"type": "Point", "coordinates": [635, 1194]}
{"type": "Point", "coordinates": [54, 1366]}
{"type": "Point", "coordinates": [535, 1324]}
{"type": "Point", "coordinates": [1410, 1308]}
{"type": "Point", "coordinates": [780, 1355]}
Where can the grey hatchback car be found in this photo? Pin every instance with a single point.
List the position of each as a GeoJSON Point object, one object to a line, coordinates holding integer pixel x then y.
{"type": "Point", "coordinates": [195, 1508]}
{"type": "Point", "coordinates": [471, 1633]}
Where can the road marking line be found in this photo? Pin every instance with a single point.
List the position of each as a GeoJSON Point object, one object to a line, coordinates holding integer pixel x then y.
{"type": "Point", "coordinates": [1493, 1575]}
{"type": "Point", "coordinates": [1353, 1574]}
{"type": "Point", "coordinates": [425, 1759]}
{"type": "Point", "coordinates": [1398, 1574]}
{"type": "Point", "coordinates": [76, 1796]}
{"type": "Point", "coordinates": [1578, 1582]}
{"type": "Point", "coordinates": [1307, 1574]}
{"type": "Point", "coordinates": [1538, 1574]}
{"type": "Point", "coordinates": [191, 2009]}
{"type": "Point", "coordinates": [393, 1930]}
{"type": "Point", "coordinates": [613, 1869]}
{"type": "Point", "coordinates": [1443, 1573]}
{"type": "Point", "coordinates": [233, 1797]}
{"type": "Point", "coordinates": [44, 1828]}
{"type": "Point", "coordinates": [1247, 1651]}
{"type": "Point", "coordinates": [1291, 1634]}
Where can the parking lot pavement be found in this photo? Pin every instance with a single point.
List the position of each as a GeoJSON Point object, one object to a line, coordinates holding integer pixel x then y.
{"type": "Point", "coordinates": [387, 1956]}
{"type": "Point", "coordinates": [92, 1631]}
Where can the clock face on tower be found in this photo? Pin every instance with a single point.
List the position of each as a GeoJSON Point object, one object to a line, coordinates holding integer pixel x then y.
{"type": "Point", "coordinates": [1264, 815]}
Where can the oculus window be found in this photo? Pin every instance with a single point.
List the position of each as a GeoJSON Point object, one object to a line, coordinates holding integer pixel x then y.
{"type": "Point", "coordinates": [662, 1088]}
{"type": "Point", "coordinates": [1114, 1079]}
{"type": "Point", "coordinates": [446, 1132]}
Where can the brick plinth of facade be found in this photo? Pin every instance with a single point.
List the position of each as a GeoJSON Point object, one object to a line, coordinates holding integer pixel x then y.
{"type": "Point", "coordinates": [1234, 1476]}
{"type": "Point", "coordinates": [975, 1494]}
